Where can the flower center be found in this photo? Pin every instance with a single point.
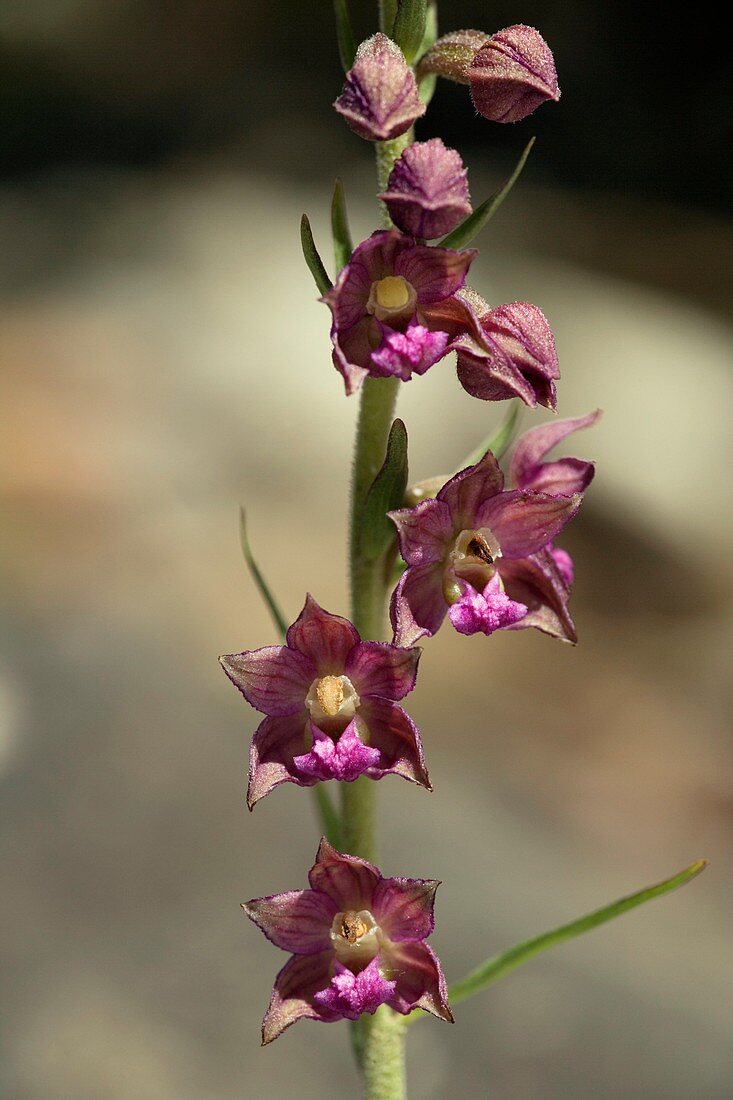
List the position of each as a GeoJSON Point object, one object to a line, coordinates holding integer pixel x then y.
{"type": "Point", "coordinates": [392, 299]}
{"type": "Point", "coordinates": [473, 560]}
{"type": "Point", "coordinates": [331, 697]}
{"type": "Point", "coordinates": [355, 937]}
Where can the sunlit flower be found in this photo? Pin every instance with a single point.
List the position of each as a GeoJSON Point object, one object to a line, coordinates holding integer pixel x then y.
{"type": "Point", "coordinates": [357, 942]}
{"type": "Point", "coordinates": [330, 702]}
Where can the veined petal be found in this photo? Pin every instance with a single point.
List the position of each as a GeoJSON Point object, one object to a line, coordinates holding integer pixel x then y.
{"type": "Point", "coordinates": [349, 881]}
{"type": "Point", "coordinates": [526, 469]}
{"type": "Point", "coordinates": [371, 260]}
{"type": "Point", "coordinates": [512, 74]}
{"type": "Point", "coordinates": [325, 639]}
{"type": "Point", "coordinates": [275, 744]}
{"type": "Point", "coordinates": [418, 606]}
{"type": "Point", "coordinates": [377, 668]}
{"type": "Point", "coordinates": [402, 354]}
{"type": "Point", "coordinates": [467, 492]}
{"type": "Point", "coordinates": [298, 921]}
{"type": "Point", "coordinates": [427, 191]}
{"type": "Point", "coordinates": [392, 731]}
{"type": "Point", "coordinates": [539, 583]}
{"type": "Point", "coordinates": [435, 273]}
{"type": "Point", "coordinates": [403, 907]}
{"type": "Point", "coordinates": [345, 759]}
{"type": "Point", "coordinates": [524, 521]}
{"type": "Point", "coordinates": [487, 611]}
{"type": "Point", "coordinates": [352, 352]}
{"type": "Point", "coordinates": [380, 99]}
{"type": "Point", "coordinates": [292, 998]}
{"type": "Point", "coordinates": [420, 981]}
{"type": "Point", "coordinates": [423, 531]}
{"type": "Point", "coordinates": [274, 680]}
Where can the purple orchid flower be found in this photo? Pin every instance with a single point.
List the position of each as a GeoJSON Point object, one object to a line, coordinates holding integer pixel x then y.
{"type": "Point", "coordinates": [563, 477]}
{"type": "Point", "coordinates": [330, 702]}
{"type": "Point", "coordinates": [427, 191]}
{"type": "Point", "coordinates": [357, 942]}
{"type": "Point", "coordinates": [396, 310]}
{"type": "Point", "coordinates": [479, 553]}
{"type": "Point", "coordinates": [380, 100]}
{"type": "Point", "coordinates": [514, 355]}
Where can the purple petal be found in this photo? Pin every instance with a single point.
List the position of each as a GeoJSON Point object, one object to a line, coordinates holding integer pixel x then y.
{"type": "Point", "coordinates": [524, 521]}
{"type": "Point", "coordinates": [435, 273]}
{"type": "Point", "coordinates": [371, 260]}
{"type": "Point", "coordinates": [352, 352]}
{"type": "Point", "coordinates": [325, 639]}
{"type": "Point", "coordinates": [275, 744]}
{"type": "Point", "coordinates": [377, 668]}
{"type": "Point", "coordinates": [302, 977]}
{"type": "Point", "coordinates": [345, 759]}
{"type": "Point", "coordinates": [452, 54]}
{"type": "Point", "coordinates": [350, 995]}
{"type": "Point", "coordinates": [349, 881]}
{"type": "Point", "coordinates": [298, 921]}
{"type": "Point", "coordinates": [424, 531]}
{"type": "Point", "coordinates": [418, 605]}
{"type": "Point", "coordinates": [403, 907]}
{"type": "Point", "coordinates": [457, 315]}
{"type": "Point", "coordinates": [570, 475]}
{"type": "Point", "coordinates": [380, 100]}
{"type": "Point", "coordinates": [274, 680]}
{"type": "Point", "coordinates": [468, 492]}
{"type": "Point", "coordinates": [512, 74]}
{"type": "Point", "coordinates": [427, 192]}
{"type": "Point", "coordinates": [539, 582]}
{"type": "Point", "coordinates": [515, 356]}
{"type": "Point", "coordinates": [487, 611]}
{"type": "Point", "coordinates": [419, 976]}
{"type": "Point", "coordinates": [402, 354]}
{"type": "Point", "coordinates": [392, 731]}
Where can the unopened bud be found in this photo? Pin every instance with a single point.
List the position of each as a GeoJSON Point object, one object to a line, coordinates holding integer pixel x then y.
{"type": "Point", "coordinates": [427, 192]}
{"type": "Point", "coordinates": [380, 100]}
{"type": "Point", "coordinates": [512, 74]}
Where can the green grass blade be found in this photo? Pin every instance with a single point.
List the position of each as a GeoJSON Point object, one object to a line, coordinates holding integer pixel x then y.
{"type": "Point", "coordinates": [314, 261]}
{"type": "Point", "coordinates": [499, 965]}
{"type": "Point", "coordinates": [464, 233]}
{"type": "Point", "coordinates": [262, 586]}
{"type": "Point", "coordinates": [499, 439]}
{"type": "Point", "coordinates": [342, 244]}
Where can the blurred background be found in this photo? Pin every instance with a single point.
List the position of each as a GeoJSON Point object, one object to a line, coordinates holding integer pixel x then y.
{"type": "Point", "coordinates": [164, 360]}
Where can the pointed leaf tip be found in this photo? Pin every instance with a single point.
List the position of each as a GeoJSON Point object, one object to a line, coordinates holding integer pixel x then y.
{"type": "Point", "coordinates": [342, 244]}
{"type": "Point", "coordinates": [409, 26]}
{"type": "Point", "coordinates": [464, 233]}
{"type": "Point", "coordinates": [386, 493]}
{"type": "Point", "coordinates": [501, 964]}
{"type": "Point", "coordinates": [312, 258]}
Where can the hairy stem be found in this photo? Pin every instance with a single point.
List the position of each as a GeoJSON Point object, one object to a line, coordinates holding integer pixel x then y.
{"type": "Point", "coordinates": [384, 1057]}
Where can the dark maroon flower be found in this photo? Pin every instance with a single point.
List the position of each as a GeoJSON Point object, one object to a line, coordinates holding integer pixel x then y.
{"type": "Point", "coordinates": [514, 355]}
{"type": "Point", "coordinates": [380, 100]}
{"type": "Point", "coordinates": [357, 942]}
{"type": "Point", "coordinates": [395, 307]}
{"type": "Point", "coordinates": [512, 74]}
{"type": "Point", "coordinates": [427, 191]}
{"type": "Point", "coordinates": [479, 553]}
{"type": "Point", "coordinates": [330, 701]}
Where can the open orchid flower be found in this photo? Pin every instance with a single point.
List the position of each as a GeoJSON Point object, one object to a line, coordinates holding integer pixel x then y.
{"type": "Point", "coordinates": [482, 555]}
{"type": "Point", "coordinates": [330, 702]}
{"type": "Point", "coordinates": [395, 308]}
{"type": "Point", "coordinates": [357, 942]}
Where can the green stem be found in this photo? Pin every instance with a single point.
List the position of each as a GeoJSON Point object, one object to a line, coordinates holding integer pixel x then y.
{"type": "Point", "coordinates": [384, 1057]}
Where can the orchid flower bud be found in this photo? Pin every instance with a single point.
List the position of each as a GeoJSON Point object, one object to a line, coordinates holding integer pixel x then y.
{"type": "Point", "coordinates": [512, 74]}
{"type": "Point", "coordinates": [427, 191]}
{"type": "Point", "coordinates": [380, 100]}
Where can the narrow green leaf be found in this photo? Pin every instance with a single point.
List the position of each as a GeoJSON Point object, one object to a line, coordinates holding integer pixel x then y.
{"type": "Point", "coordinates": [474, 223]}
{"type": "Point", "coordinates": [387, 492]}
{"type": "Point", "coordinates": [342, 245]}
{"type": "Point", "coordinates": [500, 965]}
{"type": "Point", "coordinates": [262, 586]}
{"type": "Point", "coordinates": [499, 439]}
{"type": "Point", "coordinates": [345, 34]}
{"type": "Point", "coordinates": [327, 815]}
{"type": "Point", "coordinates": [314, 261]}
{"type": "Point", "coordinates": [426, 84]}
{"type": "Point", "coordinates": [409, 26]}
